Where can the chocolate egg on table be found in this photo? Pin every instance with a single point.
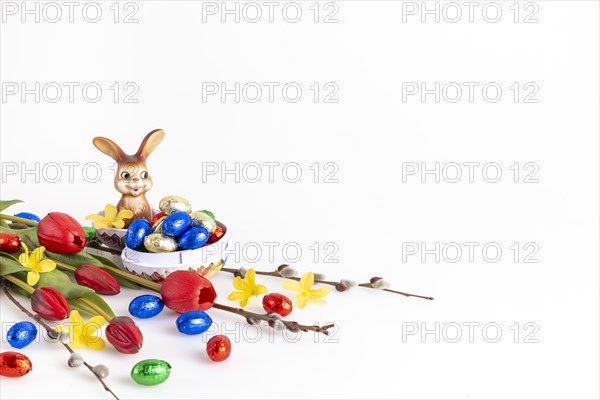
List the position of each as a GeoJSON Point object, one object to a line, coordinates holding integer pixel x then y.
{"type": "Point", "coordinates": [193, 238]}
{"type": "Point", "coordinates": [151, 372]}
{"type": "Point", "coordinates": [204, 220]}
{"type": "Point", "coordinates": [176, 223]}
{"type": "Point", "coordinates": [21, 334]}
{"type": "Point", "coordinates": [146, 306]}
{"type": "Point", "coordinates": [171, 204]}
{"type": "Point", "coordinates": [29, 216]}
{"type": "Point", "coordinates": [157, 226]}
{"type": "Point", "coordinates": [159, 243]}
{"type": "Point", "coordinates": [14, 365]}
{"type": "Point", "coordinates": [193, 322]}
{"type": "Point", "coordinates": [136, 233]}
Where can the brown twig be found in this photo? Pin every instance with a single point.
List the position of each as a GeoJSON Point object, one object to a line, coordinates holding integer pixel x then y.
{"type": "Point", "coordinates": [272, 319]}
{"type": "Point", "coordinates": [339, 286]}
{"type": "Point", "coordinates": [52, 334]}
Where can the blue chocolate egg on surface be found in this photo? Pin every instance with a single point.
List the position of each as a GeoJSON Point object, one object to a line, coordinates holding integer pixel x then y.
{"type": "Point", "coordinates": [29, 216]}
{"type": "Point", "coordinates": [21, 334]}
{"type": "Point", "coordinates": [176, 223]}
{"type": "Point", "coordinates": [138, 230]}
{"type": "Point", "coordinates": [193, 322]}
{"type": "Point", "coordinates": [193, 238]}
{"type": "Point", "coordinates": [146, 306]}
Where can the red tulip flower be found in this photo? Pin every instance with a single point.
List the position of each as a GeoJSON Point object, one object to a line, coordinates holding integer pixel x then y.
{"type": "Point", "coordinates": [97, 279]}
{"type": "Point", "coordinates": [50, 304]}
{"type": "Point", "coordinates": [184, 291]}
{"type": "Point", "coordinates": [124, 335]}
{"type": "Point", "coordinates": [60, 233]}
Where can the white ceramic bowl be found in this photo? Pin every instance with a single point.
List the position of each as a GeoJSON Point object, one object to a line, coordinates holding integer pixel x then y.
{"type": "Point", "coordinates": [205, 261]}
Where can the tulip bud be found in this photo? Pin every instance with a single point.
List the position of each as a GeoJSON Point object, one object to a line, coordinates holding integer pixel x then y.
{"type": "Point", "coordinates": [61, 234]}
{"type": "Point", "coordinates": [184, 291]}
{"type": "Point", "coordinates": [50, 304]}
{"type": "Point", "coordinates": [9, 243]}
{"type": "Point", "coordinates": [97, 279]}
{"type": "Point", "coordinates": [124, 335]}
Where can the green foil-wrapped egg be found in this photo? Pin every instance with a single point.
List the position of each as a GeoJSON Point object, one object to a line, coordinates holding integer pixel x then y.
{"type": "Point", "coordinates": [151, 372]}
{"type": "Point", "coordinates": [200, 218]}
{"type": "Point", "coordinates": [171, 204]}
{"type": "Point", "coordinates": [159, 243]}
{"type": "Point", "coordinates": [90, 234]}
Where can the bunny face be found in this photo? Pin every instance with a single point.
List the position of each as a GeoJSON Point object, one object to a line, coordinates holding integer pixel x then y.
{"type": "Point", "coordinates": [133, 179]}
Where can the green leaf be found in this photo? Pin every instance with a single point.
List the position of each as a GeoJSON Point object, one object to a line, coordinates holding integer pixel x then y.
{"type": "Point", "coordinates": [100, 303]}
{"type": "Point", "coordinates": [61, 282]}
{"type": "Point", "coordinates": [4, 204]}
{"type": "Point", "coordinates": [122, 281]}
{"type": "Point", "coordinates": [83, 257]}
{"type": "Point", "coordinates": [9, 264]}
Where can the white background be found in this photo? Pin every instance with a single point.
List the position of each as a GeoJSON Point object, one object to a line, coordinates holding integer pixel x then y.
{"type": "Point", "coordinates": [369, 213]}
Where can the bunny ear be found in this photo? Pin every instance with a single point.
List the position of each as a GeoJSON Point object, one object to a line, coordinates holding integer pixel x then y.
{"type": "Point", "coordinates": [109, 148]}
{"type": "Point", "coordinates": [150, 142]}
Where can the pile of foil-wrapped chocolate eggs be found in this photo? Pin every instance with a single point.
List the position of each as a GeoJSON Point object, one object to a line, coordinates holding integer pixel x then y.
{"type": "Point", "coordinates": [176, 227]}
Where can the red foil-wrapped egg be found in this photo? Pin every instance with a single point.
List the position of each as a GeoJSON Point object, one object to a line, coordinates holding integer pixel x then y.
{"type": "Point", "coordinates": [157, 217]}
{"type": "Point", "coordinates": [14, 365]}
{"type": "Point", "coordinates": [216, 235]}
{"type": "Point", "coordinates": [278, 304]}
{"type": "Point", "coordinates": [218, 348]}
{"type": "Point", "coordinates": [9, 243]}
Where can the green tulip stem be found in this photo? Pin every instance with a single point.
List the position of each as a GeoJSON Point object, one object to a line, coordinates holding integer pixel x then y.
{"type": "Point", "coordinates": [19, 283]}
{"type": "Point", "coordinates": [19, 219]}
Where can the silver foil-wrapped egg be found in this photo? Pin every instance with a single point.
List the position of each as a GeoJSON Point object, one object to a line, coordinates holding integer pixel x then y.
{"type": "Point", "coordinates": [201, 219]}
{"type": "Point", "coordinates": [171, 204]}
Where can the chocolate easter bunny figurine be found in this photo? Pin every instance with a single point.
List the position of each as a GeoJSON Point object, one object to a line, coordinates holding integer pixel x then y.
{"type": "Point", "coordinates": [132, 178]}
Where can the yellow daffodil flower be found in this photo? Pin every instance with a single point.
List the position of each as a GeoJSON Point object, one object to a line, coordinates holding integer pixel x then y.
{"type": "Point", "coordinates": [81, 333]}
{"type": "Point", "coordinates": [111, 218]}
{"type": "Point", "coordinates": [248, 288]}
{"type": "Point", "coordinates": [305, 293]}
{"type": "Point", "coordinates": [36, 262]}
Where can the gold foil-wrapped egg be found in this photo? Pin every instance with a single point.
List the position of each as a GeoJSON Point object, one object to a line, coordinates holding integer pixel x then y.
{"type": "Point", "coordinates": [171, 204]}
{"type": "Point", "coordinates": [157, 227]}
{"type": "Point", "coordinates": [202, 219]}
{"type": "Point", "coordinates": [159, 243]}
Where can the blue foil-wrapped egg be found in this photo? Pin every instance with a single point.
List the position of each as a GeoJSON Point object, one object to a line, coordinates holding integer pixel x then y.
{"type": "Point", "coordinates": [29, 216]}
{"type": "Point", "coordinates": [193, 238]}
{"type": "Point", "coordinates": [193, 322]}
{"type": "Point", "coordinates": [137, 232]}
{"type": "Point", "coordinates": [176, 223]}
{"type": "Point", "coordinates": [21, 334]}
{"type": "Point", "coordinates": [146, 306]}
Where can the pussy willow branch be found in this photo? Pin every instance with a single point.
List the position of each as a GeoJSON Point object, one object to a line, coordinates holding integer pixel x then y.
{"type": "Point", "coordinates": [51, 333]}
{"type": "Point", "coordinates": [271, 319]}
{"type": "Point", "coordinates": [277, 274]}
